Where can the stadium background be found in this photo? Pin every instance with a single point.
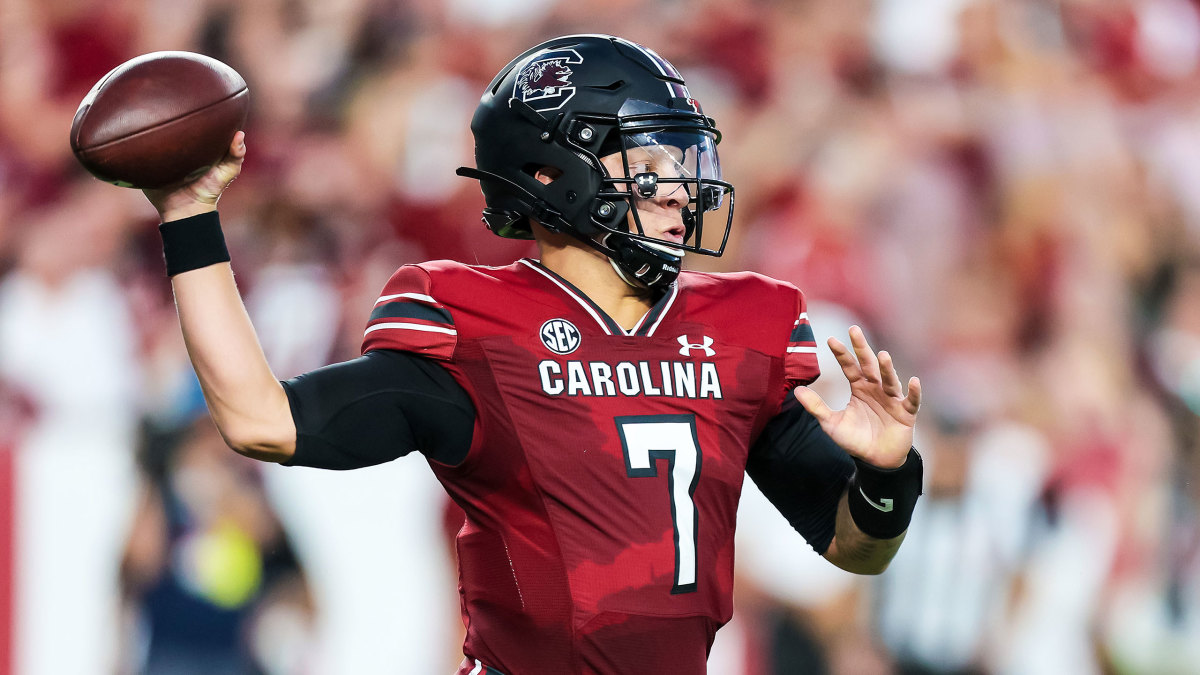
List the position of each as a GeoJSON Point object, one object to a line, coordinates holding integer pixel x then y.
{"type": "Point", "coordinates": [1006, 193]}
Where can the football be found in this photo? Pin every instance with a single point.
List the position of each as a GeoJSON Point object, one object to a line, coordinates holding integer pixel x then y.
{"type": "Point", "coordinates": [159, 120]}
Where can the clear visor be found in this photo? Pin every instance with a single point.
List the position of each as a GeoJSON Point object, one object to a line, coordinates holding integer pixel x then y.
{"type": "Point", "coordinates": [688, 155]}
{"type": "Point", "coordinates": [672, 179]}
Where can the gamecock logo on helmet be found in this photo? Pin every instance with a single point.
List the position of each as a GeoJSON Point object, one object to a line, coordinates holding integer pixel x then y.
{"type": "Point", "coordinates": [545, 82]}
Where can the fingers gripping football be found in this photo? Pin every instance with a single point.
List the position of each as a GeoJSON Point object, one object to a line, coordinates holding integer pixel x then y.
{"type": "Point", "coordinates": [203, 193]}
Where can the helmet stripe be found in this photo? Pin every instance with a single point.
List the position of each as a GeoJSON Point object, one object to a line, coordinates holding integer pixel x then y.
{"type": "Point", "coordinates": [664, 67]}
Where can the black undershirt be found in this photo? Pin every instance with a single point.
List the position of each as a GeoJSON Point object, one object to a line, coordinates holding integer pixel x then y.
{"type": "Point", "coordinates": [376, 408]}
{"type": "Point", "coordinates": [386, 404]}
{"type": "Point", "coordinates": [801, 471]}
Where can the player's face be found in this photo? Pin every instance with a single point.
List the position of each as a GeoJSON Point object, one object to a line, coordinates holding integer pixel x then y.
{"type": "Point", "coordinates": [661, 215]}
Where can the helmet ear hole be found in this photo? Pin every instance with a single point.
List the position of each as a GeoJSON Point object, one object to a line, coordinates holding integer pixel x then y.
{"type": "Point", "coordinates": [544, 174]}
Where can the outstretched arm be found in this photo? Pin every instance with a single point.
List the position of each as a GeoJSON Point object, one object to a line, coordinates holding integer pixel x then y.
{"type": "Point", "coordinates": [876, 429]}
{"type": "Point", "coordinates": [247, 402]}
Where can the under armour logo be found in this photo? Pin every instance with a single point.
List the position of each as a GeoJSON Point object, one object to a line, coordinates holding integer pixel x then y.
{"type": "Point", "coordinates": [688, 345]}
{"type": "Point", "coordinates": [647, 184]}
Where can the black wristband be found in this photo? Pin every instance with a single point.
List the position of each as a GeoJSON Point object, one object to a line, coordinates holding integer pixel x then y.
{"type": "Point", "coordinates": [193, 242]}
{"type": "Point", "coordinates": [882, 500]}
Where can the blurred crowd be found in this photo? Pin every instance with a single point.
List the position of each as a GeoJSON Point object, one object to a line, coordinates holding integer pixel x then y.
{"type": "Point", "coordinates": [1004, 193]}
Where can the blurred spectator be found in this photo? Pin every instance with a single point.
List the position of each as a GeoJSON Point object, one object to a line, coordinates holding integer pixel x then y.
{"type": "Point", "coordinates": [67, 347]}
{"type": "Point", "coordinates": [369, 540]}
{"type": "Point", "coordinates": [206, 559]}
{"type": "Point", "coordinates": [940, 608]}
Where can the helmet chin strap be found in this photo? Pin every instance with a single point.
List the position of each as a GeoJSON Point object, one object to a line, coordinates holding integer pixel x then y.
{"type": "Point", "coordinates": [636, 249]}
{"type": "Point", "coordinates": [629, 281]}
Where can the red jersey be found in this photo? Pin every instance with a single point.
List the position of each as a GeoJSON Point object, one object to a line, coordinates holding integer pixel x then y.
{"type": "Point", "coordinates": [602, 484]}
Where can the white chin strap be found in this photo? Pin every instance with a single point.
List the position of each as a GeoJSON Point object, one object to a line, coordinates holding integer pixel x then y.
{"type": "Point", "coordinates": [665, 248]}
{"type": "Point", "coordinates": [629, 281]}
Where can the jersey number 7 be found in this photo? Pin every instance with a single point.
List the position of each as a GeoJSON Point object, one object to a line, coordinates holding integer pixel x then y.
{"type": "Point", "coordinates": [645, 439]}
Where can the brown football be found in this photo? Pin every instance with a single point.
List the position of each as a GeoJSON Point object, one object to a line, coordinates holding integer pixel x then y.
{"type": "Point", "coordinates": [159, 120]}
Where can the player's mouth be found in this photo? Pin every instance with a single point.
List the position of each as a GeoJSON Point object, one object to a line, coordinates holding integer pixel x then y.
{"type": "Point", "coordinates": [674, 234]}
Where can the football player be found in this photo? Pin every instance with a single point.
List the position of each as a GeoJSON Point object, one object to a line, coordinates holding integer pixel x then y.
{"type": "Point", "coordinates": [593, 411]}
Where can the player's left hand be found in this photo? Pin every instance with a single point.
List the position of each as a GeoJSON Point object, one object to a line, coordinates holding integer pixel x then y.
{"type": "Point", "coordinates": [876, 426]}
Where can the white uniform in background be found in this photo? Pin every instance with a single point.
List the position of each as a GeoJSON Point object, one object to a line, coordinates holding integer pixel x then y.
{"type": "Point", "coordinates": [370, 540]}
{"type": "Point", "coordinates": [71, 349]}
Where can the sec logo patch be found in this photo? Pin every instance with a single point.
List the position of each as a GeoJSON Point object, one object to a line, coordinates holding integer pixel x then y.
{"type": "Point", "coordinates": [560, 336]}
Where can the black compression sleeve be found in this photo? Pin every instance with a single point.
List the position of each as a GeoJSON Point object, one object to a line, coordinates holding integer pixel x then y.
{"type": "Point", "coordinates": [802, 472]}
{"type": "Point", "coordinates": [376, 408]}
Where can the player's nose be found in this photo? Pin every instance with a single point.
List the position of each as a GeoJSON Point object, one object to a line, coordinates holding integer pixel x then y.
{"type": "Point", "coordinates": [670, 196]}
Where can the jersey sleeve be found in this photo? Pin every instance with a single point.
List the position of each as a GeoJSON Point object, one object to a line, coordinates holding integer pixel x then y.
{"type": "Point", "coordinates": [408, 317]}
{"type": "Point", "coordinates": [800, 361]}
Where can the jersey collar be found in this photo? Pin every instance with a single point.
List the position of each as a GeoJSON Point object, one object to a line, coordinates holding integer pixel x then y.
{"type": "Point", "coordinates": [645, 326]}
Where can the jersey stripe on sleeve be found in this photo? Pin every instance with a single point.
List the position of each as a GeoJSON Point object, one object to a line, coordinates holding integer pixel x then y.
{"type": "Point", "coordinates": [408, 309]}
{"type": "Point", "coordinates": [800, 362]}
{"type": "Point", "coordinates": [802, 340]}
{"type": "Point", "coordinates": [411, 320]}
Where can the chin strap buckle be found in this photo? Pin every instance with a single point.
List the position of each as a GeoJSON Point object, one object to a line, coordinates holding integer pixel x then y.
{"type": "Point", "coordinates": [548, 216]}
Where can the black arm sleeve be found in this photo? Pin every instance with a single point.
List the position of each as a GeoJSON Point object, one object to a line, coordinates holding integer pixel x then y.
{"type": "Point", "coordinates": [376, 408]}
{"type": "Point", "coordinates": [802, 472]}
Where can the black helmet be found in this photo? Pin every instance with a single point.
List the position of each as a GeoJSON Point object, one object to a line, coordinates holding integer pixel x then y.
{"type": "Point", "coordinates": [568, 102]}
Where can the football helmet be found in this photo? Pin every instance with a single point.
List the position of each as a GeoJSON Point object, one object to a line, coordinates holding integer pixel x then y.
{"type": "Point", "coordinates": [562, 106]}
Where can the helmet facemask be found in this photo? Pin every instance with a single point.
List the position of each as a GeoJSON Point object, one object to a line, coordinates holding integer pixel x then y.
{"type": "Point", "coordinates": [667, 161]}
